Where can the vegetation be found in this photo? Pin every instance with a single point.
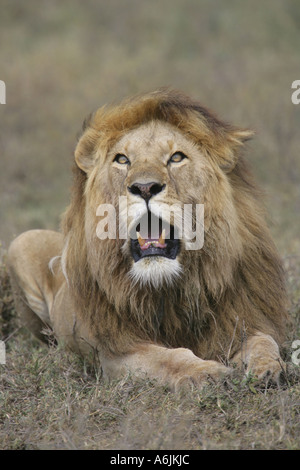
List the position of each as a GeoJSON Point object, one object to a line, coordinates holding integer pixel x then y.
{"type": "Point", "coordinates": [61, 60]}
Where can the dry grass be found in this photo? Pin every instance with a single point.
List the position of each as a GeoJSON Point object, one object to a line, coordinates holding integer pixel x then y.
{"type": "Point", "coordinates": [61, 60]}
{"type": "Point", "coordinates": [51, 399]}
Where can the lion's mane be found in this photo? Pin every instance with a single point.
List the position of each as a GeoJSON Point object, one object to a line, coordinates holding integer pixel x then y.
{"type": "Point", "coordinates": [232, 287]}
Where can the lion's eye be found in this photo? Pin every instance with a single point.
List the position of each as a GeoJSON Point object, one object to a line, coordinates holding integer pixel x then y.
{"type": "Point", "coordinates": [121, 159]}
{"type": "Point", "coordinates": [177, 157]}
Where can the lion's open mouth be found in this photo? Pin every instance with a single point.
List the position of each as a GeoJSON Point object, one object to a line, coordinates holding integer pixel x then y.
{"type": "Point", "coordinates": [153, 237]}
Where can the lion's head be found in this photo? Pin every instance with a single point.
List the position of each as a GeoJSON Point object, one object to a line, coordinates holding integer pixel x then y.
{"type": "Point", "coordinates": [143, 170]}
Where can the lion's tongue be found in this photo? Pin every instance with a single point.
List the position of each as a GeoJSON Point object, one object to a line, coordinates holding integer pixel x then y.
{"type": "Point", "coordinates": [145, 243]}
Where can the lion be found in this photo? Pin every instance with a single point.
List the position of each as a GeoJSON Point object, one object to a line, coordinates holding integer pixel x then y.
{"type": "Point", "coordinates": [143, 301]}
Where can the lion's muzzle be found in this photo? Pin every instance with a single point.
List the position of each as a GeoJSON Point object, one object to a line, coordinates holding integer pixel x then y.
{"type": "Point", "coordinates": [153, 237]}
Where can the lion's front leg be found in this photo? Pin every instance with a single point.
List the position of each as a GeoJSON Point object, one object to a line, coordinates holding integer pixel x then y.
{"type": "Point", "coordinates": [174, 367]}
{"type": "Point", "coordinates": [260, 356]}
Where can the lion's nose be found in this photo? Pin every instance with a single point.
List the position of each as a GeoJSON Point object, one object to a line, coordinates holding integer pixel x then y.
{"type": "Point", "coordinates": [146, 190]}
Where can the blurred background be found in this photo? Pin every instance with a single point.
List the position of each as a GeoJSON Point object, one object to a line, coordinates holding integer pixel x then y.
{"type": "Point", "coordinates": [60, 60]}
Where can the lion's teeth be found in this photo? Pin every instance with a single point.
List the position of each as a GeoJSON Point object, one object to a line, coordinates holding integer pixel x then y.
{"type": "Point", "coordinates": [141, 240]}
{"type": "Point", "coordinates": [162, 237]}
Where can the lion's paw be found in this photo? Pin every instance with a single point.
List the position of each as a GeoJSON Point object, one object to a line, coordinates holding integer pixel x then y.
{"type": "Point", "coordinates": [267, 370]}
{"type": "Point", "coordinates": [204, 373]}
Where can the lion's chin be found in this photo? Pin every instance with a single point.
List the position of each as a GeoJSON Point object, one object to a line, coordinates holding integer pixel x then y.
{"type": "Point", "coordinates": [155, 271]}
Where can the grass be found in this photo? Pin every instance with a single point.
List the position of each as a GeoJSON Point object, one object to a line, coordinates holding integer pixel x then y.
{"type": "Point", "coordinates": [51, 399]}
{"type": "Point", "coordinates": [61, 60]}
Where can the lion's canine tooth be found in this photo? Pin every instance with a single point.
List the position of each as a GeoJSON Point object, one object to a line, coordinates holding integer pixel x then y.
{"type": "Point", "coordinates": [162, 237]}
{"type": "Point", "coordinates": [141, 240]}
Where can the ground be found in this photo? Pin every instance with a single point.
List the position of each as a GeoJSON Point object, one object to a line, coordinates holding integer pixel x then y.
{"type": "Point", "coordinates": [51, 399]}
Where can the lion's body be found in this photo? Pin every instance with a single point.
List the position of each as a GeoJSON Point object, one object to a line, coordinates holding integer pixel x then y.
{"type": "Point", "coordinates": [157, 306]}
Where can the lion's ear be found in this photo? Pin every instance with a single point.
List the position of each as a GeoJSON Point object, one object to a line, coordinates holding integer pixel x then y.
{"type": "Point", "coordinates": [235, 139]}
{"type": "Point", "coordinates": [85, 151]}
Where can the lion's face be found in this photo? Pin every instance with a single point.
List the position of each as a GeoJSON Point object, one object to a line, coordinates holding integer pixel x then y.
{"type": "Point", "coordinates": [164, 164]}
{"type": "Point", "coordinates": [154, 176]}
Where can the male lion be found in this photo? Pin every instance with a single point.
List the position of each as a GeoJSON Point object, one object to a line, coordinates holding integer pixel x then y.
{"type": "Point", "coordinates": [149, 303]}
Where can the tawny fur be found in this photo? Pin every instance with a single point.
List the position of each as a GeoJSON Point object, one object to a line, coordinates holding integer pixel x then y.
{"type": "Point", "coordinates": [219, 286]}
{"type": "Point", "coordinates": [231, 289]}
